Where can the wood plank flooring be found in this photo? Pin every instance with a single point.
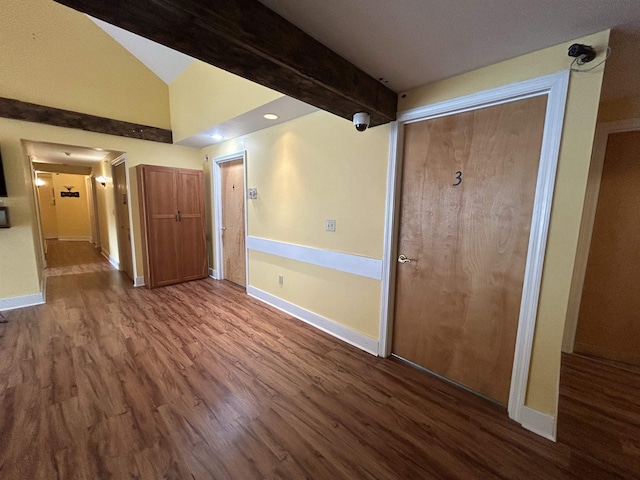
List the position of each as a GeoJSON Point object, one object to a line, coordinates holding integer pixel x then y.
{"type": "Point", "coordinates": [199, 381]}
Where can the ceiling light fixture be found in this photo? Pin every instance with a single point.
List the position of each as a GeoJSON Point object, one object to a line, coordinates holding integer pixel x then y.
{"type": "Point", "coordinates": [217, 137]}
{"type": "Point", "coordinates": [271, 116]}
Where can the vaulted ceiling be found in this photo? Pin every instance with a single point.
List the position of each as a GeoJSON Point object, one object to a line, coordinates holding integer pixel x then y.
{"type": "Point", "coordinates": [408, 43]}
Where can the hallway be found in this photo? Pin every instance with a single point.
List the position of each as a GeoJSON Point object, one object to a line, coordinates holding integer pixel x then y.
{"type": "Point", "coordinates": [200, 381]}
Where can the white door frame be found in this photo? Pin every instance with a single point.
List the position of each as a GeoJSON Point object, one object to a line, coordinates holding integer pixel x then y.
{"type": "Point", "coordinates": [36, 198]}
{"type": "Point", "coordinates": [90, 185]}
{"type": "Point", "coordinates": [590, 207]}
{"type": "Point", "coordinates": [114, 163]}
{"type": "Point", "coordinates": [96, 210]}
{"type": "Point", "coordinates": [555, 86]}
{"type": "Point", "coordinates": [216, 193]}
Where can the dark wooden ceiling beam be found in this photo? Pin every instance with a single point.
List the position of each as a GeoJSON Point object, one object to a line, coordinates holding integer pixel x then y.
{"type": "Point", "coordinates": [246, 38]}
{"type": "Point", "coordinates": [31, 112]}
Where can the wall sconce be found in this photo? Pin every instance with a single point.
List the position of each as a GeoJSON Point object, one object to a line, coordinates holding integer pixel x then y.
{"type": "Point", "coordinates": [40, 182]}
{"type": "Point", "coordinates": [101, 180]}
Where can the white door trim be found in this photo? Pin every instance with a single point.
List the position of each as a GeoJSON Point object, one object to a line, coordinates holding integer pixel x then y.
{"type": "Point", "coordinates": [114, 163]}
{"type": "Point", "coordinates": [603, 130]}
{"type": "Point", "coordinates": [216, 193]}
{"type": "Point", "coordinates": [555, 86]}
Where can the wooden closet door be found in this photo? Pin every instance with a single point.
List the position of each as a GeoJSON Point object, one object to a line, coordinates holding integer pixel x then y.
{"type": "Point", "coordinates": [192, 254]}
{"type": "Point", "coordinates": [160, 192]}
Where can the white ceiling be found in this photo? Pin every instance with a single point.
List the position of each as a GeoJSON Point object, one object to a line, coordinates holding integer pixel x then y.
{"type": "Point", "coordinates": [163, 61]}
{"type": "Point", "coordinates": [44, 152]}
{"type": "Point", "coordinates": [286, 108]}
{"type": "Point", "coordinates": [410, 43]}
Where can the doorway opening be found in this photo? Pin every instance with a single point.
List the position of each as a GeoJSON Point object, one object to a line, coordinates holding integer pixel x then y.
{"type": "Point", "coordinates": [602, 320]}
{"type": "Point", "coordinates": [230, 218]}
{"type": "Point", "coordinates": [74, 196]}
{"type": "Point", "coordinates": [123, 215]}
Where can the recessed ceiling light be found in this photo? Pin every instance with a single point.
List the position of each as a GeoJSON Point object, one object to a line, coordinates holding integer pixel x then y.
{"type": "Point", "coordinates": [271, 116]}
{"type": "Point", "coordinates": [217, 137]}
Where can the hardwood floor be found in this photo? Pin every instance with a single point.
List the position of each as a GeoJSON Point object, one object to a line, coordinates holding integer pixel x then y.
{"type": "Point", "coordinates": [199, 381]}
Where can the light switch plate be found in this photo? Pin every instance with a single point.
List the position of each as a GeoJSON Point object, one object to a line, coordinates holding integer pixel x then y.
{"type": "Point", "coordinates": [331, 226]}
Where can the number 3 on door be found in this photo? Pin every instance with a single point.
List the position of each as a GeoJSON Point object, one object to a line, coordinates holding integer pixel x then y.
{"type": "Point", "coordinates": [458, 179]}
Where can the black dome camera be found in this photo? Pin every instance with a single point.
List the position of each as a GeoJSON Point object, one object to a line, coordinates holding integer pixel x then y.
{"type": "Point", "coordinates": [585, 52]}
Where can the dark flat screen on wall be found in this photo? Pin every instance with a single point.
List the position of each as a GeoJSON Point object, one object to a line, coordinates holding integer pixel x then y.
{"type": "Point", "coordinates": [3, 185]}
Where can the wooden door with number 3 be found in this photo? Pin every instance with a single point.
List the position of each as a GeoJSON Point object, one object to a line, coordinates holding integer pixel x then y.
{"type": "Point", "coordinates": [468, 186]}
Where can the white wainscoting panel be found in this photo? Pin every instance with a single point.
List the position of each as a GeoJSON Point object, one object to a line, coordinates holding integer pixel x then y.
{"type": "Point", "coordinates": [74, 239]}
{"type": "Point", "coordinates": [344, 262]}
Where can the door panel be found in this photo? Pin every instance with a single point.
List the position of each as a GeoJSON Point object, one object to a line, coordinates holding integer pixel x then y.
{"type": "Point", "coordinates": [160, 201]}
{"type": "Point", "coordinates": [233, 234]}
{"type": "Point", "coordinates": [467, 198]}
{"type": "Point", "coordinates": [193, 255]}
{"type": "Point", "coordinates": [609, 320]}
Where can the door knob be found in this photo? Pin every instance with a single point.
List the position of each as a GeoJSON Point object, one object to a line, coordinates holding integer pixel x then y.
{"type": "Point", "coordinates": [403, 259]}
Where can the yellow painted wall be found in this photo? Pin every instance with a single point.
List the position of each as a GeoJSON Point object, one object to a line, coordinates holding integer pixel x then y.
{"type": "Point", "coordinates": [47, 203]}
{"type": "Point", "coordinates": [72, 212]}
{"type": "Point", "coordinates": [573, 168]}
{"type": "Point", "coordinates": [203, 96]}
{"type": "Point", "coordinates": [19, 245]}
{"type": "Point", "coordinates": [307, 171]}
{"type": "Point", "coordinates": [20, 262]}
{"type": "Point", "coordinates": [55, 56]}
{"type": "Point", "coordinates": [311, 169]}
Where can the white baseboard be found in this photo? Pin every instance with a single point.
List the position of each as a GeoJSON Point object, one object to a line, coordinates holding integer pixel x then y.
{"type": "Point", "coordinates": [138, 282]}
{"type": "Point", "coordinates": [213, 274]}
{"type": "Point", "coordinates": [74, 239]}
{"type": "Point", "coordinates": [111, 260]}
{"type": "Point", "coordinates": [23, 301]}
{"type": "Point", "coordinates": [357, 339]}
{"type": "Point", "coordinates": [539, 423]}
